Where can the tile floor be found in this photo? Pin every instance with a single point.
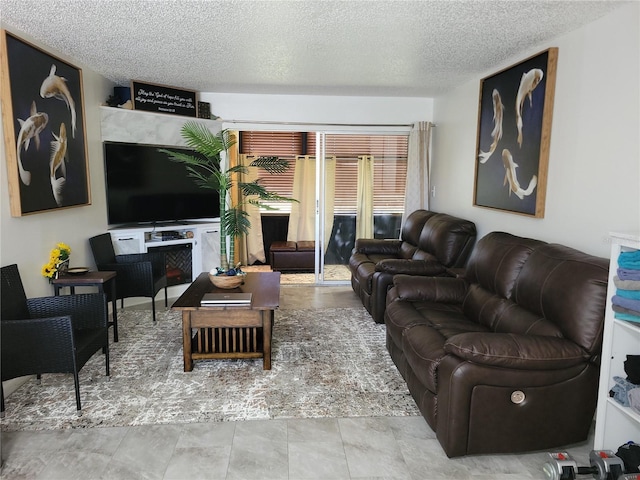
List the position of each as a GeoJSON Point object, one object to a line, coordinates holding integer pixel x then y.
{"type": "Point", "coordinates": [295, 449]}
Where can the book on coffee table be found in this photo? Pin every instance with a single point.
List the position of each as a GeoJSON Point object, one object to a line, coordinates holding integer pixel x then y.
{"type": "Point", "coordinates": [231, 298]}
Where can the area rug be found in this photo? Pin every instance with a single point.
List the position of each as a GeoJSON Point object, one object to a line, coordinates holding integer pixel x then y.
{"type": "Point", "coordinates": [329, 362]}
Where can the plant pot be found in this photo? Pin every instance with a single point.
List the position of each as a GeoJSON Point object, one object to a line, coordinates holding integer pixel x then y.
{"type": "Point", "coordinates": [227, 281]}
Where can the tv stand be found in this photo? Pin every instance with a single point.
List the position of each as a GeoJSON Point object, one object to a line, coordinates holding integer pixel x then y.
{"type": "Point", "coordinates": [201, 237]}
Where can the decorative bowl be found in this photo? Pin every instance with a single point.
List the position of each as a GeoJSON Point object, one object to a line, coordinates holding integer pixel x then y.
{"type": "Point", "coordinates": [227, 281]}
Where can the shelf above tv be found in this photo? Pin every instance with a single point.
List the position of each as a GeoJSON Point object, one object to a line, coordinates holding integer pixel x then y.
{"type": "Point", "coordinates": [137, 126]}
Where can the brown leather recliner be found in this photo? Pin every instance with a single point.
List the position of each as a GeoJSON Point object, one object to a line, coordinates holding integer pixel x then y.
{"type": "Point", "coordinates": [431, 244]}
{"type": "Point", "coordinates": [504, 359]}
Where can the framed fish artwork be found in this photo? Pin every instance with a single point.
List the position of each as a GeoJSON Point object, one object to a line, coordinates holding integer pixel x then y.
{"type": "Point", "coordinates": [514, 132]}
{"type": "Point", "coordinates": [44, 129]}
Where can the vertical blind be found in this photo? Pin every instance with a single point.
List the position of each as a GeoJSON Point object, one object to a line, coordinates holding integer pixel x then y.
{"type": "Point", "coordinates": [390, 164]}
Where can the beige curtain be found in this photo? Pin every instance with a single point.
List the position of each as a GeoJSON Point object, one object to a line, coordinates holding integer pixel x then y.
{"type": "Point", "coordinates": [418, 169]}
{"type": "Point", "coordinates": [251, 248]}
{"type": "Point", "coordinates": [364, 213]}
{"type": "Point", "coordinates": [302, 221]}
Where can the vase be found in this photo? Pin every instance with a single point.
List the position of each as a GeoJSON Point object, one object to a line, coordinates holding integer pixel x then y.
{"type": "Point", "coordinates": [61, 268]}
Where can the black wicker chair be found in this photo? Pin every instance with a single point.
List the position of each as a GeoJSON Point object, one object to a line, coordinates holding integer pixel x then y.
{"type": "Point", "coordinates": [49, 334]}
{"type": "Point", "coordinates": [138, 274]}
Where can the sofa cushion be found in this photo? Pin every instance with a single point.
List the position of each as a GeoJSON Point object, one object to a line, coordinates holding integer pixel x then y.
{"type": "Point", "coordinates": [412, 226]}
{"type": "Point", "coordinates": [569, 288]}
{"type": "Point", "coordinates": [403, 315]}
{"type": "Point", "coordinates": [447, 239]}
{"type": "Point", "coordinates": [502, 315]}
{"type": "Point", "coordinates": [527, 352]}
{"type": "Point", "coordinates": [496, 261]}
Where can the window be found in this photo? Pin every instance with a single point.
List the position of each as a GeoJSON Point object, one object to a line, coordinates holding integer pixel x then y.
{"type": "Point", "coordinates": [390, 165]}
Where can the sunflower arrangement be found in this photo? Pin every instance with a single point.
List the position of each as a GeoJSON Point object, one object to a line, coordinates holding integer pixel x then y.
{"type": "Point", "coordinates": [57, 257]}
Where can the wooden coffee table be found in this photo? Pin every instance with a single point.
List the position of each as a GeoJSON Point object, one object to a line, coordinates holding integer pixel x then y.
{"type": "Point", "coordinates": [243, 331]}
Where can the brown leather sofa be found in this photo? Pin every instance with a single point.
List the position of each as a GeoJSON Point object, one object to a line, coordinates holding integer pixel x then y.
{"type": "Point", "coordinates": [430, 244]}
{"type": "Point", "coordinates": [504, 358]}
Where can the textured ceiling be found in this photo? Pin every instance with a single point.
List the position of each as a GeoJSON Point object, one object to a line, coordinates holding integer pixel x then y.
{"type": "Point", "coordinates": [374, 48]}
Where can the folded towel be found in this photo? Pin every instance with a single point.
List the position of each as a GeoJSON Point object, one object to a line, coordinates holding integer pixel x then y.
{"type": "Point", "coordinates": [627, 317]}
{"type": "Point", "coordinates": [626, 302]}
{"type": "Point", "coordinates": [626, 284]}
{"type": "Point", "coordinates": [634, 294]}
{"type": "Point", "coordinates": [634, 399]}
{"type": "Point", "coordinates": [618, 308]}
{"type": "Point", "coordinates": [628, 274]}
{"type": "Point", "coordinates": [629, 259]}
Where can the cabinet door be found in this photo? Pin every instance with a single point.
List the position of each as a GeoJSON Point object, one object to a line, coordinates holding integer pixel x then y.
{"type": "Point", "coordinates": [128, 242]}
{"type": "Point", "coordinates": [210, 247]}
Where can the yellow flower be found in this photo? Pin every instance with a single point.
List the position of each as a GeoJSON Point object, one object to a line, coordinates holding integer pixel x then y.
{"type": "Point", "coordinates": [48, 270]}
{"type": "Point", "coordinates": [57, 255]}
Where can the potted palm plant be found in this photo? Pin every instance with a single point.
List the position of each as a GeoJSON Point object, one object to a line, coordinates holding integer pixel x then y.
{"type": "Point", "coordinates": [210, 172]}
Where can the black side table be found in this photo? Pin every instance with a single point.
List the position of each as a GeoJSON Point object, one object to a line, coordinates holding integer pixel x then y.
{"type": "Point", "coordinates": [96, 279]}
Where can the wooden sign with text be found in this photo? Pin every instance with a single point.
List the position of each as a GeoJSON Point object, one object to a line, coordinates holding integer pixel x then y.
{"type": "Point", "coordinates": [163, 99]}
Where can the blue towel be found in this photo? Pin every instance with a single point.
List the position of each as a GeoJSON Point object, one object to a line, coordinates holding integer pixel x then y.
{"type": "Point", "coordinates": [629, 259]}
{"type": "Point", "coordinates": [628, 274]}
{"type": "Point", "coordinates": [626, 316]}
{"type": "Point", "coordinates": [626, 302]}
{"type": "Point", "coordinates": [633, 294]}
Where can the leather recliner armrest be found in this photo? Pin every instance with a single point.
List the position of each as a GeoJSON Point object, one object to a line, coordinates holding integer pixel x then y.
{"type": "Point", "coordinates": [430, 289]}
{"type": "Point", "coordinates": [523, 352]}
{"type": "Point", "coordinates": [381, 247]}
{"type": "Point", "coordinates": [397, 266]}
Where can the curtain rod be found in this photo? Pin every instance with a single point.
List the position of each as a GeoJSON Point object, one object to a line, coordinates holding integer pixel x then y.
{"type": "Point", "coordinates": [265, 122]}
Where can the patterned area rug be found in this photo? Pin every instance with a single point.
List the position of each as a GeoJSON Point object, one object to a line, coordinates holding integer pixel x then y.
{"type": "Point", "coordinates": [325, 363]}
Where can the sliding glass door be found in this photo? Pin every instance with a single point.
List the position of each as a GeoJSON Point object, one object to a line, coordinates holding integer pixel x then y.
{"type": "Point", "coordinates": [349, 184]}
{"type": "Point", "coordinates": [361, 194]}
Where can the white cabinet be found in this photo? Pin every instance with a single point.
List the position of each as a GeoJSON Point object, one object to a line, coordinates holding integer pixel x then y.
{"type": "Point", "coordinates": [615, 424]}
{"type": "Point", "coordinates": [210, 246]}
{"type": "Point", "coordinates": [197, 241]}
{"type": "Point", "coordinates": [125, 242]}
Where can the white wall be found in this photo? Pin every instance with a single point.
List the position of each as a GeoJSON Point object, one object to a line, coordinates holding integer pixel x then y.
{"type": "Point", "coordinates": [594, 164]}
{"type": "Point", "coordinates": [319, 109]}
{"type": "Point", "coordinates": [27, 240]}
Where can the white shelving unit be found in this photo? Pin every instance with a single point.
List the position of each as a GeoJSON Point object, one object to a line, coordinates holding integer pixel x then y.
{"type": "Point", "coordinates": [203, 237]}
{"type": "Point", "coordinates": [615, 424]}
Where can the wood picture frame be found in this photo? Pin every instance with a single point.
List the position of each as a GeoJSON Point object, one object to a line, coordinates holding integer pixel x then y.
{"type": "Point", "coordinates": [514, 131]}
{"type": "Point", "coordinates": [44, 129]}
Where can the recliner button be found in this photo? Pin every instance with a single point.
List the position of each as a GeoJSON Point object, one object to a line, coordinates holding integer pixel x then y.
{"type": "Point", "coordinates": [517, 397]}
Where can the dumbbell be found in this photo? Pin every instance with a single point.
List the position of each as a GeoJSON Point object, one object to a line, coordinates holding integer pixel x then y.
{"type": "Point", "coordinates": [605, 465]}
{"type": "Point", "coordinates": [560, 466]}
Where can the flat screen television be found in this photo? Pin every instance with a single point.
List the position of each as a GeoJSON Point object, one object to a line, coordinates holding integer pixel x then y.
{"type": "Point", "coordinates": [144, 186]}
